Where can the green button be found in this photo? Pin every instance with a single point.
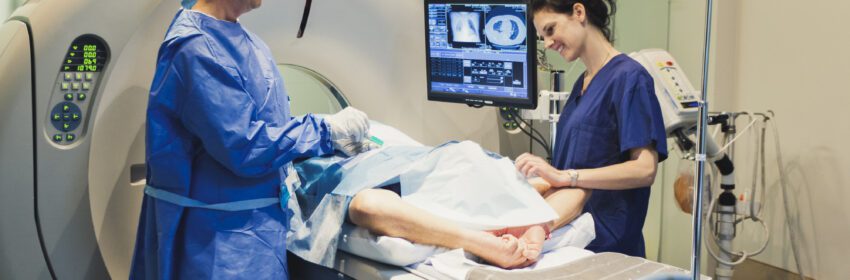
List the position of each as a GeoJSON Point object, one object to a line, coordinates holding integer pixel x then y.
{"type": "Point", "coordinates": [66, 108]}
{"type": "Point", "coordinates": [57, 137]}
{"type": "Point", "coordinates": [89, 76]}
{"type": "Point", "coordinates": [86, 86]}
{"type": "Point", "coordinates": [78, 76]}
{"type": "Point", "coordinates": [66, 126]}
{"type": "Point", "coordinates": [70, 137]}
{"type": "Point", "coordinates": [69, 97]}
{"type": "Point", "coordinates": [75, 117]}
{"type": "Point", "coordinates": [67, 76]}
{"type": "Point", "coordinates": [81, 96]}
{"type": "Point", "coordinates": [57, 117]}
{"type": "Point", "coordinates": [66, 117]}
{"type": "Point", "coordinates": [75, 86]}
{"type": "Point", "coordinates": [65, 86]}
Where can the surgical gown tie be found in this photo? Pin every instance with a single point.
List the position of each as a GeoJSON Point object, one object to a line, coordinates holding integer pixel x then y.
{"type": "Point", "coordinates": [241, 205]}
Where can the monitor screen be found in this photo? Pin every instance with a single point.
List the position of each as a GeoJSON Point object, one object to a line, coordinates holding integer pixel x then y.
{"type": "Point", "coordinates": [481, 52]}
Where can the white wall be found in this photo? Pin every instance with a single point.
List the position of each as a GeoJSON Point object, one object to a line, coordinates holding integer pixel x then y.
{"type": "Point", "coordinates": [7, 7]}
{"type": "Point", "coordinates": [5, 10]}
{"type": "Point", "coordinates": [791, 57]}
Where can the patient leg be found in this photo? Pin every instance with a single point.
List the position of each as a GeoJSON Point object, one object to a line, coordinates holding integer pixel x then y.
{"type": "Point", "coordinates": [383, 212]}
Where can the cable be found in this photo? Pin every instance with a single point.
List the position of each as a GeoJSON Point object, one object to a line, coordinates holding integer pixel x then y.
{"type": "Point", "coordinates": [530, 135]}
{"type": "Point", "coordinates": [542, 140]}
{"type": "Point", "coordinates": [716, 130]}
{"type": "Point", "coordinates": [784, 181]}
{"type": "Point", "coordinates": [548, 154]}
{"type": "Point", "coordinates": [542, 61]}
{"type": "Point", "coordinates": [760, 165]}
{"type": "Point", "coordinates": [532, 128]}
{"type": "Point", "coordinates": [530, 142]}
{"type": "Point", "coordinates": [763, 164]}
{"type": "Point", "coordinates": [750, 125]}
{"type": "Point", "coordinates": [742, 255]}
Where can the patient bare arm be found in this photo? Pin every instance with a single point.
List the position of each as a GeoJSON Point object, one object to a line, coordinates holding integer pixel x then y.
{"type": "Point", "coordinates": [567, 202]}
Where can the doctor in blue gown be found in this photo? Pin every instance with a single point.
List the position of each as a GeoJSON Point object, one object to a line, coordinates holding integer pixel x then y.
{"type": "Point", "coordinates": [219, 139]}
{"type": "Point", "coordinates": [610, 134]}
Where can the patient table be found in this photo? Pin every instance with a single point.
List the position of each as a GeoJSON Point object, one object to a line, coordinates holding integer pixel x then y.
{"type": "Point", "coordinates": [597, 266]}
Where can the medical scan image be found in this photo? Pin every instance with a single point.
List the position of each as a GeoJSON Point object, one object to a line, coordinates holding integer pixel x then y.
{"type": "Point", "coordinates": [505, 29]}
{"type": "Point", "coordinates": [466, 27]}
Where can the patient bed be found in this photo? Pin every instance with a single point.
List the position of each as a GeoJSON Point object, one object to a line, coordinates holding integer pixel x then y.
{"type": "Point", "coordinates": [365, 256]}
{"type": "Point", "coordinates": [595, 266]}
{"type": "Point", "coordinates": [361, 255]}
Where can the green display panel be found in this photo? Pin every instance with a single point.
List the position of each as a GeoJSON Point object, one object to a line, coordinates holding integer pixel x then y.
{"type": "Point", "coordinates": [86, 54]}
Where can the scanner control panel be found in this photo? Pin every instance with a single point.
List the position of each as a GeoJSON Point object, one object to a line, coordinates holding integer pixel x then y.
{"type": "Point", "coordinates": [75, 89]}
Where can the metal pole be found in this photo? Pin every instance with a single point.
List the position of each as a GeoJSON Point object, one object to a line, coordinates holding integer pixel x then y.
{"type": "Point", "coordinates": [556, 85]}
{"type": "Point", "coordinates": [700, 158]}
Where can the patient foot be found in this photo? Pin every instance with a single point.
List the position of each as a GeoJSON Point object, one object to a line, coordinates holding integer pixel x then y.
{"type": "Point", "coordinates": [532, 237]}
{"type": "Point", "coordinates": [504, 251]}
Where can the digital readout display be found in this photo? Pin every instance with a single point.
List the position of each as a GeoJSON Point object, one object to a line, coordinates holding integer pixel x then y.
{"type": "Point", "coordinates": [86, 54]}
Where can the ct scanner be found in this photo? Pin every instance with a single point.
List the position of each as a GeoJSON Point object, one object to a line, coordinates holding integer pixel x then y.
{"type": "Point", "coordinates": [69, 205]}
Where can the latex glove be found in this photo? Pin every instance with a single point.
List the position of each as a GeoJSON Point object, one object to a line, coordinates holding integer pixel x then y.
{"type": "Point", "coordinates": [351, 148]}
{"type": "Point", "coordinates": [349, 128]}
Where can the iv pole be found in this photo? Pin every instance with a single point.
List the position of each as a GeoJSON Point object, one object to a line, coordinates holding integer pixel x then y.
{"type": "Point", "coordinates": [701, 157]}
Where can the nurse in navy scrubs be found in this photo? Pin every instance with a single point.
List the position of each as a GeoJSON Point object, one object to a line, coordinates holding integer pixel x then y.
{"type": "Point", "coordinates": [610, 134]}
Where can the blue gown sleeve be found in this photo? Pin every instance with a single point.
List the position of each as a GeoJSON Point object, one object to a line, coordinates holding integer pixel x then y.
{"type": "Point", "coordinates": [222, 115]}
{"type": "Point", "coordinates": [639, 116]}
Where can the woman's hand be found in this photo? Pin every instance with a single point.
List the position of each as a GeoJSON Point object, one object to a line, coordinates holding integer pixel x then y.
{"type": "Point", "coordinates": [531, 165]}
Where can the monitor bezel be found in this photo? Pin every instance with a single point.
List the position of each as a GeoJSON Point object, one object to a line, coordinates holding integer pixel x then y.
{"type": "Point", "coordinates": [477, 100]}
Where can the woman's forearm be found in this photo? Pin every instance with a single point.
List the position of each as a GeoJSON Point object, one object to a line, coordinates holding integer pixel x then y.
{"type": "Point", "coordinates": [635, 173]}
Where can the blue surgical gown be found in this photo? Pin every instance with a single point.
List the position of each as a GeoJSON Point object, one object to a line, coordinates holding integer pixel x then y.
{"type": "Point", "coordinates": [218, 130]}
{"type": "Point", "coordinates": [618, 112]}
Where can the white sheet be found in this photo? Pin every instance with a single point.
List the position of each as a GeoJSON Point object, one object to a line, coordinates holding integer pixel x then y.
{"type": "Point", "coordinates": [400, 252]}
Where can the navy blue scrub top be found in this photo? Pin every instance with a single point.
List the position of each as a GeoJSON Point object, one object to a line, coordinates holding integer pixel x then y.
{"type": "Point", "coordinates": [617, 113]}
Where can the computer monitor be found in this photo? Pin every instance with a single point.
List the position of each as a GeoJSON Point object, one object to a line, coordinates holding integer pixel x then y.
{"type": "Point", "coordinates": [481, 52]}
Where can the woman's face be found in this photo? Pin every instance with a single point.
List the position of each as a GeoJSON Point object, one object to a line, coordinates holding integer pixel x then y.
{"type": "Point", "coordinates": [562, 33]}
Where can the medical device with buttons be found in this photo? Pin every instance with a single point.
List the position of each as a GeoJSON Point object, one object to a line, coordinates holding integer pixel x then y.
{"type": "Point", "coordinates": [680, 104]}
{"type": "Point", "coordinates": [678, 99]}
{"type": "Point", "coordinates": [75, 88]}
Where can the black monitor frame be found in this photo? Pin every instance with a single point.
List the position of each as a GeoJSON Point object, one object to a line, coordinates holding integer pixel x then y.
{"type": "Point", "coordinates": [477, 100]}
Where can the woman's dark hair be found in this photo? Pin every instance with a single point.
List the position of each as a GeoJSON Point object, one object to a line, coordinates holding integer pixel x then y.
{"type": "Point", "coordinates": [599, 12]}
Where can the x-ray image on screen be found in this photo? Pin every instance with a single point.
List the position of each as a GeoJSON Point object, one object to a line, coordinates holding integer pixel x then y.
{"type": "Point", "coordinates": [465, 27]}
{"type": "Point", "coordinates": [505, 28]}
